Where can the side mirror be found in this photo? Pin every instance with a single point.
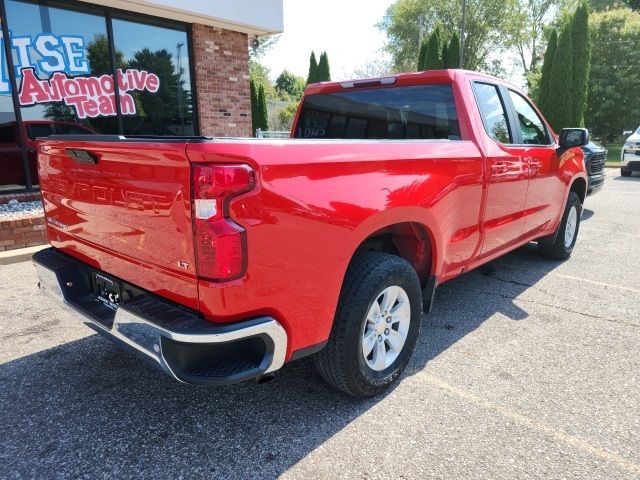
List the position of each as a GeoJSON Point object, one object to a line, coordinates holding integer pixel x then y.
{"type": "Point", "coordinates": [573, 137]}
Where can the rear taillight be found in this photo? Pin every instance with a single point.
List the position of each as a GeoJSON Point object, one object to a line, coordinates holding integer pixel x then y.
{"type": "Point", "coordinates": [220, 243]}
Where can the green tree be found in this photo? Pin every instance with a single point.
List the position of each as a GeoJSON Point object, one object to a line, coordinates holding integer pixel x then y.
{"type": "Point", "coordinates": [260, 74]}
{"type": "Point", "coordinates": [581, 63]}
{"type": "Point", "coordinates": [254, 105]}
{"type": "Point", "coordinates": [527, 31]}
{"type": "Point", "coordinates": [445, 54]}
{"type": "Point", "coordinates": [453, 52]}
{"type": "Point", "coordinates": [263, 114]}
{"type": "Point", "coordinates": [542, 92]}
{"type": "Point", "coordinates": [433, 56]}
{"type": "Point", "coordinates": [161, 107]}
{"type": "Point", "coordinates": [422, 54]}
{"type": "Point", "coordinates": [290, 86]}
{"type": "Point", "coordinates": [486, 25]}
{"type": "Point", "coordinates": [613, 100]}
{"type": "Point", "coordinates": [604, 5]}
{"type": "Point", "coordinates": [560, 100]}
{"type": "Point", "coordinates": [286, 116]}
{"type": "Point", "coordinates": [324, 72]}
{"type": "Point", "coordinates": [99, 58]}
{"type": "Point", "coordinates": [312, 77]}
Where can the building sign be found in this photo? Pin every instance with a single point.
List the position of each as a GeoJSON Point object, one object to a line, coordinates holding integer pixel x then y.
{"type": "Point", "coordinates": [90, 96]}
{"type": "Point", "coordinates": [62, 61]}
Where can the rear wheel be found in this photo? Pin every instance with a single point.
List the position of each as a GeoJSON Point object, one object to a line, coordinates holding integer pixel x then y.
{"type": "Point", "coordinates": [567, 231]}
{"type": "Point", "coordinates": [376, 325]}
{"type": "Point", "coordinates": [625, 173]}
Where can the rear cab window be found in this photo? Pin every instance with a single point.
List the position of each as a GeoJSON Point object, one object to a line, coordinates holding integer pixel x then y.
{"type": "Point", "coordinates": [420, 112]}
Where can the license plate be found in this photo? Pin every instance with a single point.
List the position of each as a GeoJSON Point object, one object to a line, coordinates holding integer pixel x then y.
{"type": "Point", "coordinates": [107, 290]}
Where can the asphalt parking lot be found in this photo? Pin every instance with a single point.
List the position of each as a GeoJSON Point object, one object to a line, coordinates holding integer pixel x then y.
{"type": "Point", "coordinates": [529, 370]}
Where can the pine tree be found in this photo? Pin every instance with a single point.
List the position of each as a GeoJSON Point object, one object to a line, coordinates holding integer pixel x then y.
{"type": "Point", "coordinates": [445, 53]}
{"type": "Point", "coordinates": [560, 100]}
{"type": "Point", "coordinates": [313, 69]}
{"type": "Point", "coordinates": [581, 63]}
{"type": "Point", "coordinates": [324, 72]}
{"type": "Point", "coordinates": [422, 56]}
{"type": "Point", "coordinates": [545, 78]}
{"type": "Point", "coordinates": [254, 105]}
{"type": "Point", "coordinates": [433, 55]}
{"type": "Point", "coordinates": [263, 114]}
{"type": "Point", "coordinates": [453, 52]}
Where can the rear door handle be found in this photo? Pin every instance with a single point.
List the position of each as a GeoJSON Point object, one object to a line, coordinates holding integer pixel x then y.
{"type": "Point", "coordinates": [499, 168]}
{"type": "Point", "coordinates": [535, 164]}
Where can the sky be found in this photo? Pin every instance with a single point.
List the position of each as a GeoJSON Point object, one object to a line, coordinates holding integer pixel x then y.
{"type": "Point", "coordinates": [344, 28]}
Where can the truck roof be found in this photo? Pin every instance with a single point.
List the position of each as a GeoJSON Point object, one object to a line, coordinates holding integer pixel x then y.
{"type": "Point", "coordinates": [399, 79]}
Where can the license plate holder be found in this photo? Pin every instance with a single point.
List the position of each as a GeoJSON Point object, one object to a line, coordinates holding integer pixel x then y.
{"type": "Point", "coordinates": [107, 290]}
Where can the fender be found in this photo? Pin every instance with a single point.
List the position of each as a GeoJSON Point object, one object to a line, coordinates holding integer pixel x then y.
{"type": "Point", "coordinates": [571, 169]}
{"type": "Point", "coordinates": [387, 218]}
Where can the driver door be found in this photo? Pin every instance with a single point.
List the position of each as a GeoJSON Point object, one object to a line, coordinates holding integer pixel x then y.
{"type": "Point", "coordinates": [544, 202]}
{"type": "Point", "coordinates": [507, 173]}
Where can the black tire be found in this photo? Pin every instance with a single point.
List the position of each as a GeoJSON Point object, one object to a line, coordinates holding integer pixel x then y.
{"type": "Point", "coordinates": [558, 250]}
{"type": "Point", "coordinates": [342, 363]}
{"type": "Point", "coordinates": [625, 173]}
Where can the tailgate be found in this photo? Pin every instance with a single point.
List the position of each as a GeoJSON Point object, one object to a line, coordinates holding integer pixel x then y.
{"type": "Point", "coordinates": [124, 207]}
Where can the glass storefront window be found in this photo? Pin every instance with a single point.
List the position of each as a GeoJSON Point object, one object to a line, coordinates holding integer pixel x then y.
{"type": "Point", "coordinates": [12, 175]}
{"type": "Point", "coordinates": [65, 80]}
{"type": "Point", "coordinates": [57, 53]}
{"type": "Point", "coordinates": [163, 52]}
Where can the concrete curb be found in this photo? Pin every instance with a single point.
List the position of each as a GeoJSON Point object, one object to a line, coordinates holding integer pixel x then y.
{"type": "Point", "coordinates": [19, 255]}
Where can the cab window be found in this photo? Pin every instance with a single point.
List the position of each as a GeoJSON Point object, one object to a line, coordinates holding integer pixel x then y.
{"type": "Point", "coordinates": [530, 124]}
{"type": "Point", "coordinates": [396, 113]}
{"type": "Point", "coordinates": [493, 113]}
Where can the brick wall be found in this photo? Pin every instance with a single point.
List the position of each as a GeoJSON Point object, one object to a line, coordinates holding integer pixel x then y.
{"type": "Point", "coordinates": [22, 231]}
{"type": "Point", "coordinates": [221, 63]}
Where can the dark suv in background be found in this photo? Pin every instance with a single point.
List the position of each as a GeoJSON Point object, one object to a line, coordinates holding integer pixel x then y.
{"type": "Point", "coordinates": [595, 157]}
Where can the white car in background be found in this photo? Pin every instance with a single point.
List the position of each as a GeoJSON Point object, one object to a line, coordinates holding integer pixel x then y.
{"type": "Point", "coordinates": [630, 156]}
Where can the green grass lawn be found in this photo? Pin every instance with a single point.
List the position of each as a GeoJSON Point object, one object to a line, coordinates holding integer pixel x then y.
{"type": "Point", "coordinates": [613, 155]}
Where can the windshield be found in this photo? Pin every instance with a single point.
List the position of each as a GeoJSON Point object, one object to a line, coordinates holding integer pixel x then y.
{"type": "Point", "coordinates": [414, 112]}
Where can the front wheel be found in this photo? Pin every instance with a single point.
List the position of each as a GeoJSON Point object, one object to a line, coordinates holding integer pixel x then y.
{"type": "Point", "coordinates": [567, 231]}
{"type": "Point", "coordinates": [625, 173]}
{"type": "Point", "coordinates": [376, 325]}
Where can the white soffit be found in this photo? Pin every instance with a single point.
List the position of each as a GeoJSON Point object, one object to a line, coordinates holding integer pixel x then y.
{"type": "Point", "coordinates": [254, 17]}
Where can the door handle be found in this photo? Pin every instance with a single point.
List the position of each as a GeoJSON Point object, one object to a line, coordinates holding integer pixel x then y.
{"type": "Point", "coordinates": [535, 164]}
{"type": "Point", "coordinates": [499, 168]}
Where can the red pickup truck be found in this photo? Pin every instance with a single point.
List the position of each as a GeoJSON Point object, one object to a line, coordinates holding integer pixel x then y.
{"type": "Point", "coordinates": [221, 259]}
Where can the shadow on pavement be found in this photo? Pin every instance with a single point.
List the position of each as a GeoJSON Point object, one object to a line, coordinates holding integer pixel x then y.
{"type": "Point", "coordinates": [586, 214]}
{"type": "Point", "coordinates": [88, 409]}
{"type": "Point", "coordinates": [635, 176]}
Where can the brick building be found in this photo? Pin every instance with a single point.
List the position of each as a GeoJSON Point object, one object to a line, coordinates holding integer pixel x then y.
{"type": "Point", "coordinates": [178, 71]}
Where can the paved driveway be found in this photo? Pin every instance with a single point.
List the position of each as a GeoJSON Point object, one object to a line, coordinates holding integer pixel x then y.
{"type": "Point", "coordinates": [527, 371]}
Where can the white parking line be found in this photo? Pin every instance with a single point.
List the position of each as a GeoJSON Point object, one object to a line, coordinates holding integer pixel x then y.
{"type": "Point", "coordinates": [571, 277]}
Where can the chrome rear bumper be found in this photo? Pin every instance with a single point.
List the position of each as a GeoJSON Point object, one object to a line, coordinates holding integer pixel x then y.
{"type": "Point", "coordinates": [178, 341]}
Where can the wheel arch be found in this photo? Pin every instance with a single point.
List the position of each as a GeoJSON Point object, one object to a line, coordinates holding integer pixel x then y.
{"type": "Point", "coordinates": [410, 237]}
{"type": "Point", "coordinates": [579, 187]}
